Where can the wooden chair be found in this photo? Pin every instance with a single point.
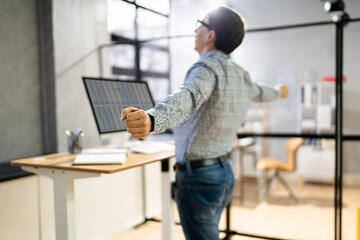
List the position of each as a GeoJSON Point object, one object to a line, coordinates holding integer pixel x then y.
{"type": "Point", "coordinates": [268, 163]}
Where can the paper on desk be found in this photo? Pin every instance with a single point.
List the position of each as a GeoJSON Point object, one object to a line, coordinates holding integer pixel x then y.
{"type": "Point", "coordinates": [105, 151]}
{"type": "Point", "coordinates": [101, 156]}
{"type": "Point", "coordinates": [152, 147]}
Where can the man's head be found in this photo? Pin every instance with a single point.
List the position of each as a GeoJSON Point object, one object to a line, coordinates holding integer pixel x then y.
{"type": "Point", "coordinates": [222, 29]}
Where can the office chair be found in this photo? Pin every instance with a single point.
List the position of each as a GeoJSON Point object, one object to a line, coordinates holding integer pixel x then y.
{"type": "Point", "coordinates": [268, 163]}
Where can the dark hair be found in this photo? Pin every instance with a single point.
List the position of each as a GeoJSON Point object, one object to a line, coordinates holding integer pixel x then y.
{"type": "Point", "coordinates": [229, 28]}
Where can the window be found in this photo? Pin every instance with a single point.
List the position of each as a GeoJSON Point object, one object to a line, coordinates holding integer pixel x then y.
{"type": "Point", "coordinates": [141, 50]}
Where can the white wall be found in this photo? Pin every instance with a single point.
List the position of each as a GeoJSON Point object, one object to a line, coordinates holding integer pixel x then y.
{"type": "Point", "coordinates": [79, 28]}
{"type": "Point", "coordinates": [184, 14]}
{"type": "Point", "coordinates": [19, 209]}
{"type": "Point", "coordinates": [286, 56]}
{"type": "Point", "coordinates": [291, 56]}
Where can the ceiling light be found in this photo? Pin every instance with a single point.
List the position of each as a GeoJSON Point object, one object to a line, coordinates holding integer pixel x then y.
{"type": "Point", "coordinates": [334, 6]}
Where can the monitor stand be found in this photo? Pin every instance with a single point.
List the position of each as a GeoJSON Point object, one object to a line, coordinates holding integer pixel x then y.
{"type": "Point", "coordinates": [118, 139]}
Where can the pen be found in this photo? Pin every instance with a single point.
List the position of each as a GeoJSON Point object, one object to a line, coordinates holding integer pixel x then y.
{"type": "Point", "coordinates": [79, 132]}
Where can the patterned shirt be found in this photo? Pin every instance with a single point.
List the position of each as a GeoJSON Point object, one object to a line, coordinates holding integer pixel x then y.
{"type": "Point", "coordinates": [209, 107]}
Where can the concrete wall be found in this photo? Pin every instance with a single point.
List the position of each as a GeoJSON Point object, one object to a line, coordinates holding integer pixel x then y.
{"type": "Point", "coordinates": [20, 119]}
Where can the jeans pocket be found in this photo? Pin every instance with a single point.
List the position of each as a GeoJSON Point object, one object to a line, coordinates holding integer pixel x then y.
{"type": "Point", "coordinates": [207, 202]}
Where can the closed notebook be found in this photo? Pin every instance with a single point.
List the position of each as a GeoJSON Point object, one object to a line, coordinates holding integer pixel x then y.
{"type": "Point", "coordinates": [101, 157]}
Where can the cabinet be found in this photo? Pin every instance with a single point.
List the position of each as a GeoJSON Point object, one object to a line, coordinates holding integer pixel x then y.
{"type": "Point", "coordinates": [316, 107]}
{"type": "Point", "coordinates": [316, 165]}
{"type": "Point", "coordinates": [316, 114]}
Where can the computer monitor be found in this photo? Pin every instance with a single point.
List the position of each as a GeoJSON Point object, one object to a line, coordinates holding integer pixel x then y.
{"type": "Point", "coordinates": [108, 97]}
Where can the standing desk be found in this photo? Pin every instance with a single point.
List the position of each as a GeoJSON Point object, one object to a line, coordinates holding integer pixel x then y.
{"type": "Point", "coordinates": [59, 168]}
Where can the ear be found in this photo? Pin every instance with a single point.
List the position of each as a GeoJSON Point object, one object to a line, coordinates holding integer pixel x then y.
{"type": "Point", "coordinates": [211, 36]}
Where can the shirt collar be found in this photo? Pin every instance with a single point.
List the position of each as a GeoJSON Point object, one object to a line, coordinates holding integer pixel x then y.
{"type": "Point", "coordinates": [212, 53]}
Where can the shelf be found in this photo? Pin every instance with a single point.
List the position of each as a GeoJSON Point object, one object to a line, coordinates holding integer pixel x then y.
{"type": "Point", "coordinates": [316, 106]}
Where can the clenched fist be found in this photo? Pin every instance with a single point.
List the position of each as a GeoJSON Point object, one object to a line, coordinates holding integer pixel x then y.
{"type": "Point", "coordinates": [138, 123]}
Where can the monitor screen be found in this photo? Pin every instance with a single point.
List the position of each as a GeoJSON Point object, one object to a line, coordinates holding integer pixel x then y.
{"type": "Point", "coordinates": [108, 97]}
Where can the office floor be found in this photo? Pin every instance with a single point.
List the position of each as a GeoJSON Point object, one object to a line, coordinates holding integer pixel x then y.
{"type": "Point", "coordinates": [279, 216]}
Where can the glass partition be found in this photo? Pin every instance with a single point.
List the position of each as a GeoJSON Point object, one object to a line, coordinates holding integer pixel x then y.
{"type": "Point", "coordinates": [161, 6]}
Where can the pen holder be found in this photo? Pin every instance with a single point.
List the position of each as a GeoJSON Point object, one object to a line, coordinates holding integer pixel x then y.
{"type": "Point", "coordinates": [74, 141]}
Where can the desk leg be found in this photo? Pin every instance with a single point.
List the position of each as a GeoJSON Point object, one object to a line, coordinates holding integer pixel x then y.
{"type": "Point", "coordinates": [64, 209]}
{"type": "Point", "coordinates": [168, 229]}
{"type": "Point", "coordinates": [242, 176]}
{"type": "Point", "coordinates": [63, 198]}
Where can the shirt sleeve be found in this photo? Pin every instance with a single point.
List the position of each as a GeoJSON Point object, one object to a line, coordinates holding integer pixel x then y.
{"type": "Point", "coordinates": [182, 104]}
{"type": "Point", "coordinates": [261, 93]}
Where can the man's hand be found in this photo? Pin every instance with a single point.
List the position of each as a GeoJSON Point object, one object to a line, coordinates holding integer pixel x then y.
{"type": "Point", "coordinates": [138, 123]}
{"type": "Point", "coordinates": [284, 90]}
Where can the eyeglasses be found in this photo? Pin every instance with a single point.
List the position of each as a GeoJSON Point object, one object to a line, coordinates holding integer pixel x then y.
{"type": "Point", "coordinates": [199, 23]}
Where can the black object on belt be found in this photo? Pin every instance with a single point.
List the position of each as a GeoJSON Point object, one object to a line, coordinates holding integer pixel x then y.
{"type": "Point", "coordinates": [194, 164]}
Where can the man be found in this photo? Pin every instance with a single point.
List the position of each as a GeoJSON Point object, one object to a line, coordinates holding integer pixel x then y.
{"type": "Point", "coordinates": [207, 111]}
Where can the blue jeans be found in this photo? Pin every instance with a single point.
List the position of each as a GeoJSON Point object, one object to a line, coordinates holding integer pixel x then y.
{"type": "Point", "coordinates": [201, 195]}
